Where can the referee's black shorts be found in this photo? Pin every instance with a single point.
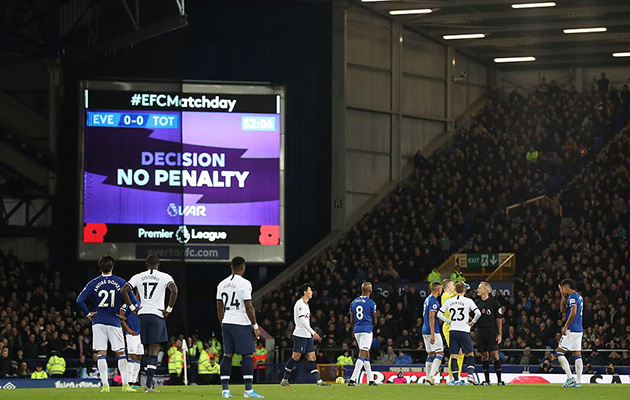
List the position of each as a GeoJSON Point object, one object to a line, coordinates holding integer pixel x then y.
{"type": "Point", "coordinates": [486, 340]}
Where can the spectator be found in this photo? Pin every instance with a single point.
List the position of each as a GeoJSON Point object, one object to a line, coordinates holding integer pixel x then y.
{"type": "Point", "coordinates": [434, 276]}
{"type": "Point", "coordinates": [596, 358]}
{"type": "Point", "coordinates": [389, 357]}
{"type": "Point", "coordinates": [6, 368]}
{"type": "Point", "coordinates": [526, 357]}
{"type": "Point", "coordinates": [345, 359]}
{"type": "Point", "coordinates": [403, 359]}
{"type": "Point", "coordinates": [23, 371]}
{"type": "Point", "coordinates": [545, 367]}
{"type": "Point", "coordinates": [56, 366]}
{"type": "Point", "coordinates": [31, 348]}
{"type": "Point", "coordinates": [208, 369]}
{"type": "Point", "coordinates": [39, 372]}
{"type": "Point", "coordinates": [603, 83]}
{"type": "Point", "coordinates": [400, 378]}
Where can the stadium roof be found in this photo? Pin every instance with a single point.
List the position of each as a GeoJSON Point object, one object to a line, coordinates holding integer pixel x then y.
{"type": "Point", "coordinates": [517, 32]}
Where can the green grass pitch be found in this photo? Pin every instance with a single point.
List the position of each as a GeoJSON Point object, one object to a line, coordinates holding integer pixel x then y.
{"type": "Point", "coordinates": [343, 392]}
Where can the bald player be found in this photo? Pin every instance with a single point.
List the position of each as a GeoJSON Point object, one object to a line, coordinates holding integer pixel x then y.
{"type": "Point", "coordinates": [362, 314]}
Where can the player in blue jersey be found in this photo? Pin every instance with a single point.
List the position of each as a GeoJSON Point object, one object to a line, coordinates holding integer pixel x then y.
{"type": "Point", "coordinates": [362, 314]}
{"type": "Point", "coordinates": [573, 304]}
{"type": "Point", "coordinates": [135, 350]}
{"type": "Point", "coordinates": [104, 293]}
{"type": "Point", "coordinates": [431, 333]}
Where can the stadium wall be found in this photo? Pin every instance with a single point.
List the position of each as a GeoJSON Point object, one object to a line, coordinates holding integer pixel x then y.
{"type": "Point", "coordinates": [400, 95]}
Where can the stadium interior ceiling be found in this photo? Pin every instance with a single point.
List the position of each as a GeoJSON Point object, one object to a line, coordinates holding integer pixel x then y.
{"type": "Point", "coordinates": [520, 32]}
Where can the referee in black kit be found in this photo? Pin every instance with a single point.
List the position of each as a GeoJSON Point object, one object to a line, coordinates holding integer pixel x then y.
{"type": "Point", "coordinates": [488, 333]}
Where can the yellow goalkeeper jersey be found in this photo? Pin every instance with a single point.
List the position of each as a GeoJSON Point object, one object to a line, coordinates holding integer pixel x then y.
{"type": "Point", "coordinates": [447, 327]}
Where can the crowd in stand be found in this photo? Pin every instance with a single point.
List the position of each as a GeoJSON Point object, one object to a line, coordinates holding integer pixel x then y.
{"type": "Point", "coordinates": [550, 141]}
{"type": "Point", "coordinates": [514, 150]}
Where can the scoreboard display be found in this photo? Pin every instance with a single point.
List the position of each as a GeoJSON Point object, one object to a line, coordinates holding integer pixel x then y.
{"type": "Point", "coordinates": [188, 171]}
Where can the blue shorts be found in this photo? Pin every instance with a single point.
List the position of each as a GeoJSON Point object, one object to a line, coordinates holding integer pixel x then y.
{"type": "Point", "coordinates": [152, 329]}
{"type": "Point", "coordinates": [238, 339]}
{"type": "Point", "coordinates": [303, 345]}
{"type": "Point", "coordinates": [460, 340]}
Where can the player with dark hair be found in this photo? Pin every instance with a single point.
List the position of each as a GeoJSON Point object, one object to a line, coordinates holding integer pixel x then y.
{"type": "Point", "coordinates": [573, 304]}
{"type": "Point", "coordinates": [431, 332]}
{"type": "Point", "coordinates": [105, 293]}
{"type": "Point", "coordinates": [362, 315]}
{"type": "Point", "coordinates": [238, 324]}
{"type": "Point", "coordinates": [151, 285]}
{"type": "Point", "coordinates": [488, 332]}
{"type": "Point", "coordinates": [459, 308]}
{"type": "Point", "coordinates": [303, 336]}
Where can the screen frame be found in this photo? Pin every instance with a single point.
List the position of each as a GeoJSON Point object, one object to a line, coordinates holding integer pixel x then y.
{"type": "Point", "coordinates": [255, 253]}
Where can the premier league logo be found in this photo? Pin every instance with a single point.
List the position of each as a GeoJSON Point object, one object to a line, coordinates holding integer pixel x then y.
{"type": "Point", "coordinates": [182, 234]}
{"type": "Point", "coordinates": [172, 210]}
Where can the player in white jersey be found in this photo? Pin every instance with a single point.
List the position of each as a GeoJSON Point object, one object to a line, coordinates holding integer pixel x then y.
{"type": "Point", "coordinates": [303, 336]}
{"type": "Point", "coordinates": [459, 308]}
{"type": "Point", "coordinates": [151, 285]}
{"type": "Point", "coordinates": [238, 324]}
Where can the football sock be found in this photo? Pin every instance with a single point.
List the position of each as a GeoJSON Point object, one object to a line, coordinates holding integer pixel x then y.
{"type": "Point", "coordinates": [454, 369]}
{"type": "Point", "coordinates": [429, 365]}
{"type": "Point", "coordinates": [497, 369]}
{"type": "Point", "coordinates": [436, 364]}
{"type": "Point", "coordinates": [357, 370]}
{"type": "Point", "coordinates": [579, 366]}
{"type": "Point", "coordinates": [368, 369]}
{"type": "Point", "coordinates": [565, 365]}
{"type": "Point", "coordinates": [226, 369]}
{"type": "Point", "coordinates": [247, 368]}
{"type": "Point", "coordinates": [151, 367]}
{"type": "Point", "coordinates": [485, 364]}
{"type": "Point", "coordinates": [123, 367]}
{"type": "Point", "coordinates": [289, 368]}
{"type": "Point", "coordinates": [102, 369]}
{"type": "Point", "coordinates": [471, 367]}
{"type": "Point", "coordinates": [312, 367]}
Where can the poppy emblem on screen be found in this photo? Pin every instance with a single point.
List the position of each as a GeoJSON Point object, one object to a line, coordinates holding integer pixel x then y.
{"type": "Point", "coordinates": [94, 232]}
{"type": "Point", "coordinates": [269, 235]}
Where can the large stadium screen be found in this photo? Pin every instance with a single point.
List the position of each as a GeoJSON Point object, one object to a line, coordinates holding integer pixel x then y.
{"type": "Point", "coordinates": [186, 171]}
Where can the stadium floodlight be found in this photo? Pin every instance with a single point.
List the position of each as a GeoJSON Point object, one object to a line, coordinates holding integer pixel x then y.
{"type": "Point", "coordinates": [534, 5]}
{"type": "Point", "coordinates": [464, 36]}
{"type": "Point", "coordinates": [411, 11]}
{"type": "Point", "coordinates": [514, 59]}
{"type": "Point", "coordinates": [585, 30]}
{"type": "Point", "coordinates": [622, 54]}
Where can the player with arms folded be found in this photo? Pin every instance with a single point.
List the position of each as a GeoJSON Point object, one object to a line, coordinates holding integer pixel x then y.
{"type": "Point", "coordinates": [104, 292]}
{"type": "Point", "coordinates": [238, 324]}
{"type": "Point", "coordinates": [459, 308]}
{"type": "Point", "coordinates": [573, 304]}
{"type": "Point", "coordinates": [431, 332]}
{"type": "Point", "coordinates": [488, 333]}
{"type": "Point", "coordinates": [303, 336]}
{"type": "Point", "coordinates": [152, 285]}
{"type": "Point", "coordinates": [362, 315]}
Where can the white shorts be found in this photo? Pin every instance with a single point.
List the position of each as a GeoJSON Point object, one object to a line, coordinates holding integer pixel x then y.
{"type": "Point", "coordinates": [364, 340]}
{"type": "Point", "coordinates": [101, 334]}
{"type": "Point", "coordinates": [572, 341]}
{"type": "Point", "coordinates": [134, 345]}
{"type": "Point", "coordinates": [436, 347]}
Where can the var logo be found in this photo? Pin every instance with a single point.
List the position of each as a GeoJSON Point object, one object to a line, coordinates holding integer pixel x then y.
{"type": "Point", "coordinates": [178, 211]}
